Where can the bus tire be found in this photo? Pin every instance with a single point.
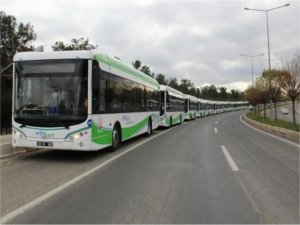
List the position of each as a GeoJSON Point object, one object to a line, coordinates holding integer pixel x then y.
{"type": "Point", "coordinates": [116, 138]}
{"type": "Point", "coordinates": [171, 121]}
{"type": "Point", "coordinates": [149, 128]}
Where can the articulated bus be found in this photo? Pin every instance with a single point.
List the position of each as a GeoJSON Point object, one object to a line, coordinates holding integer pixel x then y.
{"type": "Point", "coordinates": [171, 107]}
{"type": "Point", "coordinates": [191, 107]}
{"type": "Point", "coordinates": [80, 100]}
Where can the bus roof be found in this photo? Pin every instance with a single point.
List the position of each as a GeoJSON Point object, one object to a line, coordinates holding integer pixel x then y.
{"type": "Point", "coordinates": [112, 64]}
{"type": "Point", "coordinates": [115, 64]}
{"type": "Point", "coordinates": [171, 91]}
{"type": "Point", "coordinates": [24, 56]}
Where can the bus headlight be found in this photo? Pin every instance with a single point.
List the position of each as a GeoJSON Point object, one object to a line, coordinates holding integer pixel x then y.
{"type": "Point", "coordinates": [17, 133]}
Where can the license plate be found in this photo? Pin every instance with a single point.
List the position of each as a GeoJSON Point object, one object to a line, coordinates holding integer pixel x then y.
{"type": "Point", "coordinates": [47, 144]}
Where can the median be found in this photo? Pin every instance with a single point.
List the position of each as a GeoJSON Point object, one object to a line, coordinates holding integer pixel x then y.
{"type": "Point", "coordinates": [281, 127]}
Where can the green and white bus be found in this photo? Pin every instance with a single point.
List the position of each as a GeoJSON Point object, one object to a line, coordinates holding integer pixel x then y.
{"type": "Point", "coordinates": [171, 106]}
{"type": "Point", "coordinates": [211, 106]}
{"type": "Point", "coordinates": [80, 100]}
{"type": "Point", "coordinates": [191, 107]}
{"type": "Point", "coordinates": [202, 107]}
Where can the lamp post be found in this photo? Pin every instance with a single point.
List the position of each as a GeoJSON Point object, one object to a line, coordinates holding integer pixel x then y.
{"type": "Point", "coordinates": [266, 11]}
{"type": "Point", "coordinates": [252, 56]}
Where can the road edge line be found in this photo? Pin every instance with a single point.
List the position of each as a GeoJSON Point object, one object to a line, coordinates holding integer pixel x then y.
{"type": "Point", "coordinates": [272, 135]}
{"type": "Point", "coordinates": [22, 209]}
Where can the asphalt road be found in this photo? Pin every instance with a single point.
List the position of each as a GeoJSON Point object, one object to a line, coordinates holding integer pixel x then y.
{"type": "Point", "coordinates": [181, 176]}
{"type": "Point", "coordinates": [289, 116]}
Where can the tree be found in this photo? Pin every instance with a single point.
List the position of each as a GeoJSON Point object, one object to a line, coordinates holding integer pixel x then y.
{"type": "Point", "coordinates": [76, 44]}
{"type": "Point", "coordinates": [136, 64]}
{"type": "Point", "coordinates": [252, 95]}
{"type": "Point", "coordinates": [186, 87]}
{"type": "Point", "coordinates": [236, 95]}
{"type": "Point", "coordinates": [161, 79]}
{"type": "Point", "coordinates": [262, 85]}
{"type": "Point", "coordinates": [146, 70]}
{"type": "Point", "coordinates": [172, 82]}
{"type": "Point", "coordinates": [198, 93]}
{"type": "Point", "coordinates": [222, 93]}
{"type": "Point", "coordinates": [274, 91]}
{"type": "Point", "coordinates": [212, 92]}
{"type": "Point", "coordinates": [290, 80]}
{"type": "Point", "coordinates": [14, 38]}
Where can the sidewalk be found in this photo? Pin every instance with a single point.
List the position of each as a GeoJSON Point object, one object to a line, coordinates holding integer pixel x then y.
{"type": "Point", "coordinates": [5, 145]}
{"type": "Point", "coordinates": [6, 149]}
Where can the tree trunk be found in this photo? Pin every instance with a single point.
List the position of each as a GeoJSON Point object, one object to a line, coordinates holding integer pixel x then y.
{"type": "Point", "coordinates": [293, 109]}
{"type": "Point", "coordinates": [275, 110]}
{"type": "Point", "coordinates": [265, 113]}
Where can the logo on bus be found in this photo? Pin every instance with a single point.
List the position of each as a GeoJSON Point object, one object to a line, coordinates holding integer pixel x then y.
{"type": "Point", "coordinates": [127, 119]}
{"type": "Point", "coordinates": [44, 134]}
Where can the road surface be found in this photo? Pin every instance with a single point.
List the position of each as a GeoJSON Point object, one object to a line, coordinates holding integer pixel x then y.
{"type": "Point", "coordinates": [289, 116]}
{"type": "Point", "coordinates": [210, 170]}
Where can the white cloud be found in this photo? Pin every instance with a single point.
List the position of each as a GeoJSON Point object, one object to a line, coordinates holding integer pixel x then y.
{"type": "Point", "coordinates": [198, 40]}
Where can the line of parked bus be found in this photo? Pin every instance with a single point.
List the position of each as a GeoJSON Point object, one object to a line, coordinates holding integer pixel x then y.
{"type": "Point", "coordinates": [175, 107]}
{"type": "Point", "coordinates": [86, 100]}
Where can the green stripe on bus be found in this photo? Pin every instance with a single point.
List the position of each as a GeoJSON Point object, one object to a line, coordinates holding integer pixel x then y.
{"type": "Point", "coordinates": [103, 136]}
{"type": "Point", "coordinates": [130, 131]}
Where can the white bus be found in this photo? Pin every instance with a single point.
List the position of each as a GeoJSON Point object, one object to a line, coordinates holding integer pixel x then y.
{"type": "Point", "coordinates": [211, 107]}
{"type": "Point", "coordinates": [171, 106]}
{"type": "Point", "coordinates": [202, 107]}
{"type": "Point", "coordinates": [80, 100]}
{"type": "Point", "coordinates": [191, 107]}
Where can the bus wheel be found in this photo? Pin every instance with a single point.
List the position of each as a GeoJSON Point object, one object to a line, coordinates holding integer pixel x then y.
{"type": "Point", "coordinates": [116, 138]}
{"type": "Point", "coordinates": [149, 129]}
{"type": "Point", "coordinates": [171, 122]}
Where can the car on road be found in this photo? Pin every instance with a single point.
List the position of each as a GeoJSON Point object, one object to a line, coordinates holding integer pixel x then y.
{"type": "Point", "coordinates": [284, 110]}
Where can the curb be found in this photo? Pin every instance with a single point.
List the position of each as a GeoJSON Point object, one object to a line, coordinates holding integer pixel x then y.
{"type": "Point", "coordinates": [279, 130]}
{"type": "Point", "coordinates": [6, 149]}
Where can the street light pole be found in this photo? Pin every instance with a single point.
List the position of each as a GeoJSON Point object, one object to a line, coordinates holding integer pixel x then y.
{"type": "Point", "coordinates": [267, 10]}
{"type": "Point", "coordinates": [269, 56]}
{"type": "Point", "coordinates": [252, 56]}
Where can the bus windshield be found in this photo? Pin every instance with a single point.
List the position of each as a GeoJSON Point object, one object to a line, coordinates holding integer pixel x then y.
{"type": "Point", "coordinates": [51, 93]}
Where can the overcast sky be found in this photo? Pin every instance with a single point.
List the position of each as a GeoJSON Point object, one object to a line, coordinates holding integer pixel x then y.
{"type": "Point", "coordinates": [198, 40]}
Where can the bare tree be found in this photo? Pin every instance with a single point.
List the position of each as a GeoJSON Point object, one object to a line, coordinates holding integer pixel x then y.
{"type": "Point", "coordinates": [290, 80]}
{"type": "Point", "coordinates": [274, 91]}
{"type": "Point", "coordinates": [262, 86]}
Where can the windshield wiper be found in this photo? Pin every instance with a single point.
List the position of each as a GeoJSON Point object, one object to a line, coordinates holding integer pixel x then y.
{"type": "Point", "coordinates": [59, 121]}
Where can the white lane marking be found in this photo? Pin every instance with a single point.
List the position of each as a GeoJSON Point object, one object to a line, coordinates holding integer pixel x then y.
{"type": "Point", "coordinates": [282, 139]}
{"type": "Point", "coordinates": [6, 143]}
{"type": "Point", "coordinates": [216, 122]}
{"type": "Point", "coordinates": [60, 188]}
{"type": "Point", "coordinates": [229, 159]}
{"type": "Point", "coordinates": [216, 130]}
{"type": "Point", "coordinates": [247, 193]}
